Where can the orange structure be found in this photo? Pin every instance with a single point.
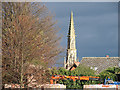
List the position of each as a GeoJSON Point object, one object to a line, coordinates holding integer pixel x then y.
{"type": "Point", "coordinates": [74, 78]}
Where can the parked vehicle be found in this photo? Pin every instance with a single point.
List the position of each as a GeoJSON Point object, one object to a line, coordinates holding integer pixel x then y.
{"type": "Point", "coordinates": [111, 82]}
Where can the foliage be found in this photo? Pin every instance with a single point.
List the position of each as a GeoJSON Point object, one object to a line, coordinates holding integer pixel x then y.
{"type": "Point", "coordinates": [110, 72]}
{"type": "Point", "coordinates": [81, 70]}
{"type": "Point", "coordinates": [29, 36]}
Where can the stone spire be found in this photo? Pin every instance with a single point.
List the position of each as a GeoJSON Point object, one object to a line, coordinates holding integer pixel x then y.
{"type": "Point", "coordinates": [71, 46]}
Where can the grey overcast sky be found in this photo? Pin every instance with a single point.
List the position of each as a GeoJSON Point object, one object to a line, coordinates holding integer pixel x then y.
{"type": "Point", "coordinates": [96, 26]}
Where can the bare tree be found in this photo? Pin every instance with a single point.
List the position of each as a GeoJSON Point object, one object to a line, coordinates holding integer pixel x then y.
{"type": "Point", "coordinates": [29, 36]}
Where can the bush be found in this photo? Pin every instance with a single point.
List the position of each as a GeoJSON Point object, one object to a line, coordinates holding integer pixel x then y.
{"type": "Point", "coordinates": [81, 70]}
{"type": "Point", "coordinates": [110, 72]}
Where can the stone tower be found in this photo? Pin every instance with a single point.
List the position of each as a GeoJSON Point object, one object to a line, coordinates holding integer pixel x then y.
{"type": "Point", "coordinates": [71, 46]}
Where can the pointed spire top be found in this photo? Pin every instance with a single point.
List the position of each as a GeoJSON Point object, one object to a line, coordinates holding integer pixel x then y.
{"type": "Point", "coordinates": [71, 26]}
{"type": "Point", "coordinates": [71, 14]}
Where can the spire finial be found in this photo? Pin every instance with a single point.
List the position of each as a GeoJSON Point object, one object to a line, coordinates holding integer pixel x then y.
{"type": "Point", "coordinates": [71, 14]}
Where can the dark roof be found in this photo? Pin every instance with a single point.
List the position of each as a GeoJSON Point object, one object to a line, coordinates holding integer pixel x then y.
{"type": "Point", "coordinates": [100, 63]}
{"type": "Point", "coordinates": [75, 65]}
